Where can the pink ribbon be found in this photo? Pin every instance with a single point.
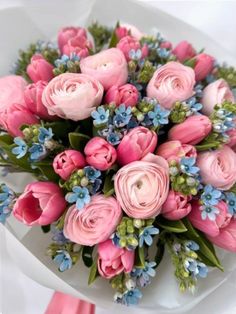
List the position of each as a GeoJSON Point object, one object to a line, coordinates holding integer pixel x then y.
{"type": "Point", "coordinates": [65, 304]}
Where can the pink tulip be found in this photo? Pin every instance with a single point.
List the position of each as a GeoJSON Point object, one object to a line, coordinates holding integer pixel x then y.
{"type": "Point", "coordinates": [183, 51]}
{"type": "Point", "coordinates": [192, 131]}
{"type": "Point", "coordinates": [128, 43]}
{"type": "Point", "coordinates": [133, 31]}
{"type": "Point", "coordinates": [67, 162]}
{"type": "Point", "coordinates": [121, 32]}
{"type": "Point", "coordinates": [175, 150]}
{"type": "Point", "coordinates": [41, 204]}
{"type": "Point", "coordinates": [126, 94]}
{"type": "Point", "coordinates": [136, 144]}
{"type": "Point", "coordinates": [39, 69]}
{"type": "Point", "coordinates": [100, 154]}
{"type": "Point", "coordinates": [78, 45]}
{"type": "Point", "coordinates": [204, 66]}
{"type": "Point", "coordinates": [176, 206]}
{"type": "Point", "coordinates": [232, 139]}
{"type": "Point", "coordinates": [166, 45]}
{"type": "Point", "coordinates": [14, 116]}
{"type": "Point", "coordinates": [113, 260]}
{"type": "Point", "coordinates": [67, 33]}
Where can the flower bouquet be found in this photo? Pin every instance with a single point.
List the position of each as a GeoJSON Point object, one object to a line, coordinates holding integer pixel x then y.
{"type": "Point", "coordinates": [132, 144]}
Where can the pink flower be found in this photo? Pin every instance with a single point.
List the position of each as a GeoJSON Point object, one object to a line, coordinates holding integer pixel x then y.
{"type": "Point", "coordinates": [72, 96]}
{"type": "Point", "coordinates": [14, 116]}
{"type": "Point", "coordinates": [33, 100]}
{"type": "Point", "coordinates": [126, 94]}
{"type": "Point", "coordinates": [183, 51]}
{"type": "Point", "coordinates": [218, 167]}
{"type": "Point", "coordinates": [39, 69]}
{"type": "Point", "coordinates": [175, 150]}
{"type": "Point", "coordinates": [109, 67]}
{"type": "Point", "coordinates": [67, 33]}
{"type": "Point", "coordinates": [232, 139]}
{"type": "Point", "coordinates": [204, 66]}
{"type": "Point", "coordinates": [170, 83]}
{"type": "Point", "coordinates": [128, 43]}
{"type": "Point", "coordinates": [215, 93]}
{"type": "Point", "coordinates": [136, 144]}
{"type": "Point", "coordinates": [100, 154]}
{"type": "Point", "coordinates": [11, 91]}
{"type": "Point", "coordinates": [113, 260]}
{"type": "Point", "coordinates": [95, 223]}
{"type": "Point", "coordinates": [142, 186]}
{"type": "Point", "coordinates": [176, 206]}
{"type": "Point", "coordinates": [78, 45]}
{"type": "Point", "coordinates": [133, 31]}
{"type": "Point", "coordinates": [166, 45]}
{"type": "Point", "coordinates": [192, 131]}
{"type": "Point", "coordinates": [67, 162]}
{"type": "Point", "coordinates": [41, 204]}
{"type": "Point", "coordinates": [121, 32]}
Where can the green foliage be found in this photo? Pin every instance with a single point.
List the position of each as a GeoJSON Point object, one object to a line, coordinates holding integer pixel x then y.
{"type": "Point", "coordinates": [78, 140]}
{"type": "Point", "coordinates": [101, 35]}
{"type": "Point", "coordinates": [93, 272]}
{"type": "Point", "coordinates": [175, 226]}
{"type": "Point", "coordinates": [87, 255]}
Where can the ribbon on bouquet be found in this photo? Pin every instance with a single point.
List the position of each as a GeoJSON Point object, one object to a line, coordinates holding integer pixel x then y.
{"type": "Point", "coordinates": [65, 304]}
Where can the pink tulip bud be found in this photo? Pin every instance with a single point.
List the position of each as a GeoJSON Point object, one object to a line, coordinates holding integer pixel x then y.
{"type": "Point", "coordinates": [78, 45]}
{"type": "Point", "coordinates": [128, 43]}
{"type": "Point", "coordinates": [183, 51]}
{"type": "Point", "coordinates": [204, 66]}
{"type": "Point", "coordinates": [126, 94]}
{"type": "Point", "coordinates": [39, 69]}
{"type": "Point", "coordinates": [166, 45]}
{"type": "Point", "coordinates": [67, 33]}
{"type": "Point", "coordinates": [175, 150]}
{"type": "Point", "coordinates": [121, 32]}
{"type": "Point", "coordinates": [176, 206]}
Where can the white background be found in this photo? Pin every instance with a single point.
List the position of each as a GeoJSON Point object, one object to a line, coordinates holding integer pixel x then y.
{"type": "Point", "coordinates": [19, 294]}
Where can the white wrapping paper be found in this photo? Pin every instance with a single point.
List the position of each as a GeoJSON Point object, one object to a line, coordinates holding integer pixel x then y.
{"type": "Point", "coordinates": [27, 246]}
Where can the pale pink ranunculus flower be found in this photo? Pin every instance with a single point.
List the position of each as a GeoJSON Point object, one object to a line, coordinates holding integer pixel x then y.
{"type": "Point", "coordinates": [215, 93]}
{"type": "Point", "coordinates": [113, 260]}
{"type": "Point", "coordinates": [40, 204]}
{"type": "Point", "coordinates": [109, 67]}
{"type": "Point", "coordinates": [72, 96]}
{"type": "Point", "coordinates": [94, 223]}
{"type": "Point", "coordinates": [142, 186]}
{"type": "Point", "coordinates": [170, 83]}
{"type": "Point", "coordinates": [218, 167]}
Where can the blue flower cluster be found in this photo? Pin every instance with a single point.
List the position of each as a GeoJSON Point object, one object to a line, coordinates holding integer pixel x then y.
{"type": "Point", "coordinates": [187, 166]}
{"type": "Point", "coordinates": [63, 260]}
{"type": "Point", "coordinates": [130, 297]}
{"type": "Point", "coordinates": [230, 198]}
{"type": "Point", "coordinates": [210, 197]}
{"type": "Point", "coordinates": [143, 276]}
{"type": "Point", "coordinates": [195, 268]}
{"type": "Point", "coordinates": [90, 183]}
{"type": "Point", "coordinates": [146, 235]}
{"type": "Point", "coordinates": [224, 121]}
{"type": "Point", "coordinates": [7, 197]}
{"type": "Point", "coordinates": [64, 59]}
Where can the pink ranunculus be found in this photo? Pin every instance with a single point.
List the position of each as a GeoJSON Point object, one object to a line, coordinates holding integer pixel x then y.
{"type": "Point", "coordinates": [78, 45]}
{"type": "Point", "coordinates": [170, 83]}
{"type": "Point", "coordinates": [176, 206]}
{"type": "Point", "coordinates": [215, 93]}
{"type": "Point", "coordinates": [100, 154]}
{"type": "Point", "coordinates": [39, 69]}
{"type": "Point", "coordinates": [192, 131]}
{"type": "Point", "coordinates": [67, 33]}
{"type": "Point", "coordinates": [204, 66]}
{"type": "Point", "coordinates": [133, 31]}
{"type": "Point", "coordinates": [128, 43]}
{"type": "Point", "coordinates": [15, 116]}
{"type": "Point", "coordinates": [166, 44]}
{"type": "Point", "coordinates": [11, 91]}
{"type": "Point", "coordinates": [41, 204]}
{"type": "Point", "coordinates": [183, 51]}
{"type": "Point", "coordinates": [113, 260]}
{"type": "Point", "coordinates": [33, 100]}
{"type": "Point", "coordinates": [95, 223]}
{"type": "Point", "coordinates": [218, 167]}
{"type": "Point", "coordinates": [175, 150]}
{"type": "Point", "coordinates": [68, 161]}
{"type": "Point", "coordinates": [142, 186]}
{"type": "Point", "coordinates": [109, 67]}
{"type": "Point", "coordinates": [136, 144]}
{"type": "Point", "coordinates": [232, 139]}
{"type": "Point", "coordinates": [126, 94]}
{"type": "Point", "coordinates": [72, 96]}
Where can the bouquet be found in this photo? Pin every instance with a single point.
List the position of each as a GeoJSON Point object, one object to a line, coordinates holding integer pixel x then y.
{"type": "Point", "coordinates": [132, 143]}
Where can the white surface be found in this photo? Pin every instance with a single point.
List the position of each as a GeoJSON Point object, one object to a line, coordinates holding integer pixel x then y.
{"type": "Point", "coordinates": [21, 295]}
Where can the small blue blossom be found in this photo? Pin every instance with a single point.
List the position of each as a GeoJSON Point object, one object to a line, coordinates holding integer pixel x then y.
{"type": "Point", "coordinates": [231, 201]}
{"type": "Point", "coordinates": [79, 195]}
{"type": "Point", "coordinates": [132, 297]}
{"type": "Point", "coordinates": [37, 152]}
{"type": "Point", "coordinates": [63, 260]}
{"type": "Point", "coordinates": [198, 90]}
{"type": "Point", "coordinates": [4, 213]}
{"type": "Point", "coordinates": [163, 53]}
{"type": "Point", "coordinates": [95, 187]}
{"type": "Point", "coordinates": [21, 149]}
{"type": "Point", "coordinates": [135, 54]}
{"type": "Point", "coordinates": [91, 173]}
{"type": "Point", "coordinates": [7, 197]}
{"type": "Point", "coordinates": [45, 135]}
{"type": "Point", "coordinates": [210, 195]}
{"type": "Point", "coordinates": [58, 236]}
{"type": "Point", "coordinates": [100, 116]}
{"type": "Point", "coordinates": [191, 246]}
{"type": "Point", "coordinates": [187, 165]}
{"type": "Point", "coordinates": [143, 275]}
{"type": "Point", "coordinates": [194, 106]}
{"type": "Point", "coordinates": [124, 113]}
{"type": "Point", "coordinates": [146, 235]}
{"type": "Point", "coordinates": [113, 138]}
{"type": "Point", "coordinates": [209, 212]}
{"type": "Point", "coordinates": [62, 61]}
{"type": "Point", "coordinates": [159, 116]}
{"type": "Point", "coordinates": [196, 269]}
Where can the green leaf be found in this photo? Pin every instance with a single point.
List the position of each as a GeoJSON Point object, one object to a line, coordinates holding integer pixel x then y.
{"type": "Point", "coordinates": [207, 251]}
{"type": "Point", "coordinates": [190, 63]}
{"type": "Point", "coordinates": [78, 140]}
{"type": "Point", "coordinates": [159, 253]}
{"type": "Point", "coordinates": [140, 257]}
{"type": "Point", "coordinates": [59, 128]}
{"type": "Point", "coordinates": [87, 255]}
{"type": "Point", "coordinates": [93, 272]}
{"type": "Point", "coordinates": [108, 188]}
{"type": "Point", "coordinates": [114, 39]}
{"type": "Point", "coordinates": [46, 228]}
{"type": "Point", "coordinates": [171, 226]}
